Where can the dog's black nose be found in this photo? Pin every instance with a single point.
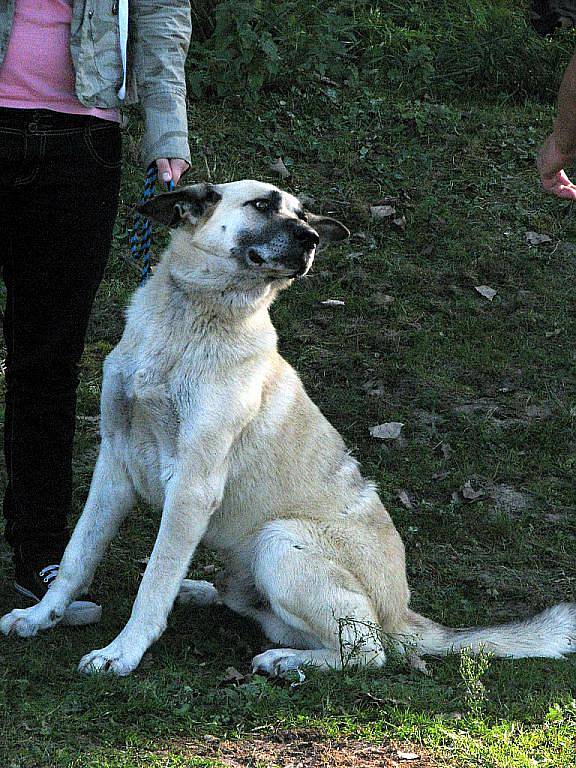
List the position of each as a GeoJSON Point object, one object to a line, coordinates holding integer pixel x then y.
{"type": "Point", "coordinates": [304, 235]}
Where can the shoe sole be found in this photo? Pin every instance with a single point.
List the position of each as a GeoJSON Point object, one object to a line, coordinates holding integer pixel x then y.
{"type": "Point", "coordinates": [78, 613]}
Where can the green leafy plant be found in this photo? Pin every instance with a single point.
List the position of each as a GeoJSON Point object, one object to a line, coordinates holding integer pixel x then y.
{"type": "Point", "coordinates": [245, 47]}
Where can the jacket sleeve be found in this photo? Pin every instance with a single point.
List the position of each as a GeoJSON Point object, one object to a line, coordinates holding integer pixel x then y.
{"type": "Point", "coordinates": [160, 31]}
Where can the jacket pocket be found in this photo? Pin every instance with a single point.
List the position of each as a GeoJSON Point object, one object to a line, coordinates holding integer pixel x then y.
{"type": "Point", "coordinates": [105, 40]}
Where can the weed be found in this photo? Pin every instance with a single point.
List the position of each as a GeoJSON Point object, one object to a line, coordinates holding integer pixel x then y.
{"type": "Point", "coordinates": [473, 667]}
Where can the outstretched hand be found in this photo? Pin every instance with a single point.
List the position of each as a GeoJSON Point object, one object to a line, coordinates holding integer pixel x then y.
{"type": "Point", "coordinates": [551, 162]}
{"type": "Point", "coordinates": [171, 169]}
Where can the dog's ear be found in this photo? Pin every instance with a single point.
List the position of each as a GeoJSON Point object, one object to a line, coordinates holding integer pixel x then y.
{"type": "Point", "coordinates": [183, 204]}
{"type": "Point", "coordinates": [330, 230]}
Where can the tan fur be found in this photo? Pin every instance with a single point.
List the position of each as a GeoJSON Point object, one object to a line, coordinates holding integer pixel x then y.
{"type": "Point", "coordinates": [203, 418]}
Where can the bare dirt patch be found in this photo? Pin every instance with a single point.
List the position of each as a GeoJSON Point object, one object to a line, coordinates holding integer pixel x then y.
{"type": "Point", "coordinates": [307, 750]}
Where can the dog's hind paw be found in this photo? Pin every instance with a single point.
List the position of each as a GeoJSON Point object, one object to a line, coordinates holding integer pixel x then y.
{"type": "Point", "coordinates": [278, 662]}
{"type": "Point", "coordinates": [198, 593]}
{"type": "Point", "coordinates": [25, 622]}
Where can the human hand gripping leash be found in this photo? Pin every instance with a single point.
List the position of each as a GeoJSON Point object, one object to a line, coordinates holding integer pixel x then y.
{"type": "Point", "coordinates": [141, 237]}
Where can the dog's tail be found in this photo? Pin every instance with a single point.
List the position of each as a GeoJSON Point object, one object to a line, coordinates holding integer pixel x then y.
{"type": "Point", "coordinates": [550, 634]}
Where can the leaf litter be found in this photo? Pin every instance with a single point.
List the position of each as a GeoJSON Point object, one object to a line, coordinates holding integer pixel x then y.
{"type": "Point", "coordinates": [537, 238]}
{"type": "Point", "coordinates": [504, 498]}
{"type": "Point", "coordinates": [278, 167]}
{"type": "Point", "coordinates": [486, 291]}
{"type": "Point", "coordinates": [390, 430]}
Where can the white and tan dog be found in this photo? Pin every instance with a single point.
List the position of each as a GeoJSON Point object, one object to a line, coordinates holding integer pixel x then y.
{"type": "Point", "coordinates": [204, 419]}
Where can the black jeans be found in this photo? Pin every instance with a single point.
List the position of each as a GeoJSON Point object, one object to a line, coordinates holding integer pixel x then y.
{"type": "Point", "coordinates": [59, 186]}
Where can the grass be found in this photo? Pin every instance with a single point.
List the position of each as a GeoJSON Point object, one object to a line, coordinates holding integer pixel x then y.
{"type": "Point", "coordinates": [486, 391]}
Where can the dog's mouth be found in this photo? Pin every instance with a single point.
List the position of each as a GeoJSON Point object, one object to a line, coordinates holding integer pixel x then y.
{"type": "Point", "coordinates": [286, 266]}
{"type": "Point", "coordinates": [305, 268]}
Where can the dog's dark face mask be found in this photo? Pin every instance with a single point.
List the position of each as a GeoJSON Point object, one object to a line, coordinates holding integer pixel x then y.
{"type": "Point", "coordinates": [265, 232]}
{"type": "Point", "coordinates": [280, 238]}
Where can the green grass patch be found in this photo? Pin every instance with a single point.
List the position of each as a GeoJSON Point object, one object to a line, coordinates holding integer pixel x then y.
{"type": "Point", "coordinates": [486, 391]}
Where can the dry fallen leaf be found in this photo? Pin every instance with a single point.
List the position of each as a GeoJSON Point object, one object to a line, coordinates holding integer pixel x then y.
{"type": "Point", "coordinates": [233, 676]}
{"type": "Point", "coordinates": [382, 211]}
{"type": "Point", "coordinates": [418, 664]}
{"type": "Point", "coordinates": [333, 303]}
{"type": "Point", "coordinates": [469, 493]}
{"type": "Point", "coordinates": [278, 167]}
{"type": "Point", "coordinates": [400, 222]}
{"type": "Point", "coordinates": [486, 291]}
{"type": "Point", "coordinates": [382, 299]}
{"type": "Point", "coordinates": [375, 388]}
{"type": "Point", "coordinates": [535, 238]}
{"type": "Point", "coordinates": [404, 498]}
{"type": "Point", "coordinates": [387, 431]}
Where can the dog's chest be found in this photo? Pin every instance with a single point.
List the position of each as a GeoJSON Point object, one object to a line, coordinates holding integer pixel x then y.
{"type": "Point", "coordinates": [151, 428]}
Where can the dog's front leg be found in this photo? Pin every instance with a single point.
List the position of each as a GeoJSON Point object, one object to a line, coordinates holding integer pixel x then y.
{"type": "Point", "coordinates": [189, 504]}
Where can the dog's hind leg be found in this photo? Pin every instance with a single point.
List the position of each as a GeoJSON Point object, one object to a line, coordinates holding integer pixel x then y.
{"type": "Point", "coordinates": [237, 591]}
{"type": "Point", "coordinates": [318, 598]}
{"type": "Point", "coordinates": [110, 499]}
{"type": "Point", "coordinates": [239, 595]}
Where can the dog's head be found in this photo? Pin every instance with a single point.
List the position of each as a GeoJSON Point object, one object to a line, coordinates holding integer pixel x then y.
{"type": "Point", "coordinates": [248, 229]}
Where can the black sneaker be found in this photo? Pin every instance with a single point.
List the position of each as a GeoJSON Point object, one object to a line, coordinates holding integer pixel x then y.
{"type": "Point", "coordinates": [549, 15]}
{"type": "Point", "coordinates": [33, 582]}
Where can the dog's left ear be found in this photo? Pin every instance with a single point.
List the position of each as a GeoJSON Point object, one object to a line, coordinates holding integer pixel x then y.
{"type": "Point", "coordinates": [183, 204]}
{"type": "Point", "coordinates": [330, 230]}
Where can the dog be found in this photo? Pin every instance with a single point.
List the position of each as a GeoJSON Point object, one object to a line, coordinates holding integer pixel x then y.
{"type": "Point", "coordinates": [203, 418]}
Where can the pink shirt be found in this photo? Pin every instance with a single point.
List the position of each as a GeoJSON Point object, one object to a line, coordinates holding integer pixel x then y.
{"type": "Point", "coordinates": [37, 72]}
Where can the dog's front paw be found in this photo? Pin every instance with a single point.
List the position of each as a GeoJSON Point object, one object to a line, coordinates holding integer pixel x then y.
{"type": "Point", "coordinates": [112, 660]}
{"type": "Point", "coordinates": [278, 662]}
{"type": "Point", "coordinates": [26, 622]}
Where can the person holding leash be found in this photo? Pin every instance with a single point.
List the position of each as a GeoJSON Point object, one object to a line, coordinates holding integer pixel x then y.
{"type": "Point", "coordinates": [66, 68]}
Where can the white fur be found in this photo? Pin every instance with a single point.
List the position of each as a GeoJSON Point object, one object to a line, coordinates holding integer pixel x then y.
{"type": "Point", "coordinates": [203, 418]}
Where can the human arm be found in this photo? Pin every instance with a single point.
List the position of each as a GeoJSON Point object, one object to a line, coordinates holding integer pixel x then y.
{"type": "Point", "coordinates": [161, 35]}
{"type": "Point", "coordinates": [559, 149]}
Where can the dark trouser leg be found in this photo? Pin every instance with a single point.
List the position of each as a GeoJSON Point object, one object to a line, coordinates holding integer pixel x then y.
{"type": "Point", "coordinates": [63, 212]}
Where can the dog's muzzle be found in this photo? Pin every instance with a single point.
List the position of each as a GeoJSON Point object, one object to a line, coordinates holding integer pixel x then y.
{"type": "Point", "coordinates": [288, 254]}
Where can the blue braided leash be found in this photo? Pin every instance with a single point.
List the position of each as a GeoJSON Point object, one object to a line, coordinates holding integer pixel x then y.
{"type": "Point", "coordinates": [141, 237]}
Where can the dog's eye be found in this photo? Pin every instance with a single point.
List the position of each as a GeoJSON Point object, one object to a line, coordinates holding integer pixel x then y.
{"type": "Point", "coordinates": [261, 205]}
